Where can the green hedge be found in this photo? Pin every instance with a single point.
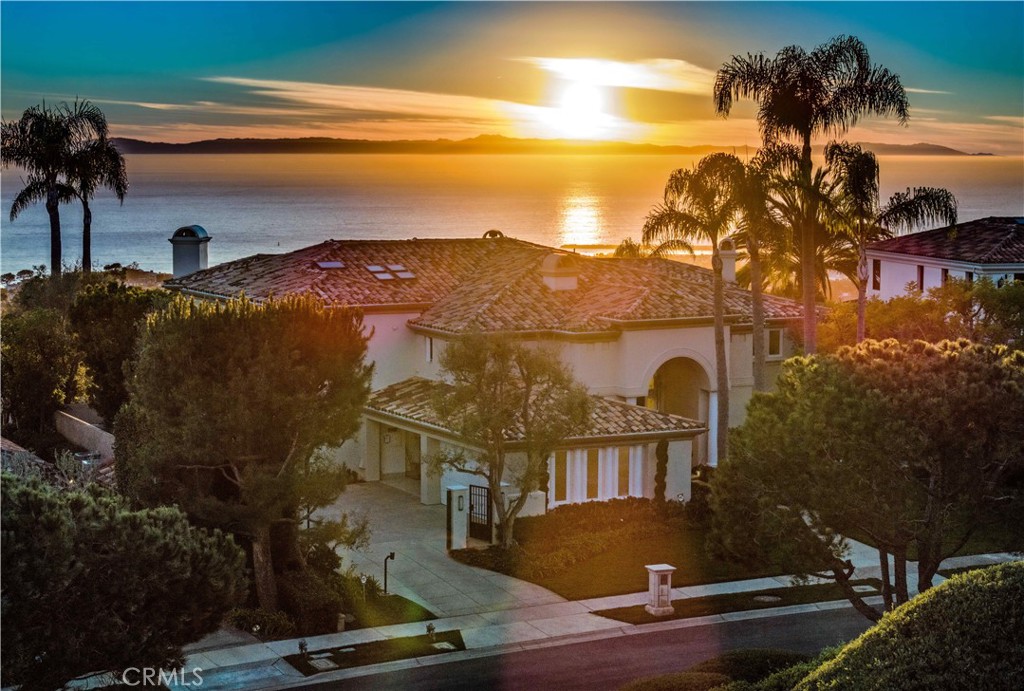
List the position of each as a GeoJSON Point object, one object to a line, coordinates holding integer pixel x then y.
{"type": "Point", "coordinates": [967, 633]}
{"type": "Point", "coordinates": [311, 603]}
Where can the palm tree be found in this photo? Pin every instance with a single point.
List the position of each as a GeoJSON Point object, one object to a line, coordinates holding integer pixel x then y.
{"type": "Point", "coordinates": [631, 249]}
{"type": "Point", "coordinates": [701, 204]}
{"type": "Point", "coordinates": [96, 164]}
{"type": "Point", "coordinates": [801, 95]}
{"type": "Point", "coordinates": [43, 142]}
{"type": "Point", "coordinates": [857, 173]}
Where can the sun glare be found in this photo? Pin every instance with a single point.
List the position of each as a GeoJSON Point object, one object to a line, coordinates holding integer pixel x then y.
{"type": "Point", "coordinates": [580, 113]}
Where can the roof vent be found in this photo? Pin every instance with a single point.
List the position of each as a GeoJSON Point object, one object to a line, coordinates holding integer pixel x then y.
{"type": "Point", "coordinates": [560, 271]}
{"type": "Point", "coordinates": [330, 265]}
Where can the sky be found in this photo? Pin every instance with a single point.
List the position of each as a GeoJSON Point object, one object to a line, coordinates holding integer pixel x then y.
{"type": "Point", "coordinates": [640, 72]}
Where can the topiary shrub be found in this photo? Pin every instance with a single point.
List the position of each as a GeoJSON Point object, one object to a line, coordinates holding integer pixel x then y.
{"type": "Point", "coordinates": [785, 679]}
{"type": "Point", "coordinates": [963, 634]}
{"type": "Point", "coordinates": [312, 604]}
{"type": "Point", "coordinates": [680, 681]}
{"type": "Point", "coordinates": [266, 626]}
{"type": "Point", "coordinates": [750, 665]}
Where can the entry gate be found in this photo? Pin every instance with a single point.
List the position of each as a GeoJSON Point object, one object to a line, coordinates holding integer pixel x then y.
{"type": "Point", "coordinates": [480, 514]}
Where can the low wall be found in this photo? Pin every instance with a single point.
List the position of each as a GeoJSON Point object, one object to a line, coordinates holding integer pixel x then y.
{"type": "Point", "coordinates": [85, 435]}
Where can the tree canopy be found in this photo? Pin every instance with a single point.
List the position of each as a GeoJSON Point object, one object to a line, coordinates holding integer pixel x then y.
{"type": "Point", "coordinates": [513, 403]}
{"type": "Point", "coordinates": [905, 445]}
{"type": "Point", "coordinates": [228, 404]}
{"type": "Point", "coordinates": [91, 585]}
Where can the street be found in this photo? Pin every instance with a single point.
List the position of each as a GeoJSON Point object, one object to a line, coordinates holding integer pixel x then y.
{"type": "Point", "coordinates": [610, 663]}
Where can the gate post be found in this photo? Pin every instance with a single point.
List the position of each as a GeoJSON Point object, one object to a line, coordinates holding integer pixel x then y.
{"type": "Point", "coordinates": [458, 517]}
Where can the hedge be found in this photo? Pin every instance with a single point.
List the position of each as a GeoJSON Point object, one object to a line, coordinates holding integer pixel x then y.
{"type": "Point", "coordinates": [966, 633]}
{"type": "Point", "coordinates": [750, 665]}
{"type": "Point", "coordinates": [680, 681]}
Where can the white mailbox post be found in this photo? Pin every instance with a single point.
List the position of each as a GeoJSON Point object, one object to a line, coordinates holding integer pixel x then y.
{"type": "Point", "coordinates": [458, 517]}
{"type": "Point", "coordinates": [659, 589]}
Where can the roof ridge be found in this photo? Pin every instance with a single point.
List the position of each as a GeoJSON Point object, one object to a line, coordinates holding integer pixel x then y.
{"type": "Point", "coordinates": [1011, 236]}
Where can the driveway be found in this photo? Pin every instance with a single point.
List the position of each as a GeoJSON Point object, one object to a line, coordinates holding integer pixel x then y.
{"type": "Point", "coordinates": [422, 571]}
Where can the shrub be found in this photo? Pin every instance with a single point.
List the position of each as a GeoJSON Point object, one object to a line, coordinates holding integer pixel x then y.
{"type": "Point", "coordinates": [310, 601]}
{"type": "Point", "coordinates": [786, 679]}
{"type": "Point", "coordinates": [963, 634]}
{"type": "Point", "coordinates": [680, 681]}
{"type": "Point", "coordinates": [266, 626]}
{"type": "Point", "coordinates": [750, 665]}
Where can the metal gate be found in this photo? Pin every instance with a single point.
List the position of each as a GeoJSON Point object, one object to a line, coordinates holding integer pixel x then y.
{"type": "Point", "coordinates": [480, 515]}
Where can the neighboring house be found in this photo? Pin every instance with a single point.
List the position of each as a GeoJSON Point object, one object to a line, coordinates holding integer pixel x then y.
{"type": "Point", "coordinates": [990, 247]}
{"type": "Point", "coordinates": [638, 333]}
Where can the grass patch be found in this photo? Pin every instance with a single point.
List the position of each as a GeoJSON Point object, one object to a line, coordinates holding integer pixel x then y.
{"type": "Point", "coordinates": [374, 652]}
{"type": "Point", "coordinates": [600, 548]}
{"type": "Point", "coordinates": [1000, 535]}
{"type": "Point", "coordinates": [384, 610]}
{"type": "Point", "coordinates": [738, 602]}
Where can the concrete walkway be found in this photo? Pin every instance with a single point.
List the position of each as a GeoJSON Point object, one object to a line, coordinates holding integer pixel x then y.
{"type": "Point", "coordinates": [422, 571]}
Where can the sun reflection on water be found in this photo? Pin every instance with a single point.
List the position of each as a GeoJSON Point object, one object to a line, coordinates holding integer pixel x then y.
{"type": "Point", "coordinates": [581, 221]}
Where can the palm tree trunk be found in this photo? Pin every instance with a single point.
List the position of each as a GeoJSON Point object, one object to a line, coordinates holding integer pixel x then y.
{"type": "Point", "coordinates": [757, 315]}
{"type": "Point", "coordinates": [720, 362]}
{"type": "Point", "coordinates": [862, 284]}
{"type": "Point", "coordinates": [86, 237]}
{"type": "Point", "coordinates": [52, 209]}
{"type": "Point", "coordinates": [807, 256]}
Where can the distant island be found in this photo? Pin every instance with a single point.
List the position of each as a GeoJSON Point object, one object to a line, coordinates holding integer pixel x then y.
{"type": "Point", "coordinates": [483, 144]}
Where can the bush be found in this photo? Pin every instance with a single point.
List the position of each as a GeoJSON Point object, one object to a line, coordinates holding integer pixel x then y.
{"type": "Point", "coordinates": [311, 602]}
{"type": "Point", "coordinates": [681, 681]}
{"type": "Point", "coordinates": [750, 665]}
{"type": "Point", "coordinates": [963, 634]}
{"type": "Point", "coordinates": [266, 626]}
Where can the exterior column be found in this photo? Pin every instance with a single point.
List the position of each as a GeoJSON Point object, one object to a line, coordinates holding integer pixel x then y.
{"type": "Point", "coordinates": [430, 482]}
{"type": "Point", "coordinates": [713, 428]}
{"type": "Point", "coordinates": [371, 449]}
{"type": "Point", "coordinates": [458, 517]}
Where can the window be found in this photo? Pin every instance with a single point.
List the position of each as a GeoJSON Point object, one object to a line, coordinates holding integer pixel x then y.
{"type": "Point", "coordinates": [593, 473]}
{"type": "Point", "coordinates": [623, 472]}
{"type": "Point", "coordinates": [430, 349]}
{"type": "Point", "coordinates": [876, 274]}
{"type": "Point", "coordinates": [1018, 277]}
{"type": "Point", "coordinates": [945, 276]}
{"type": "Point", "coordinates": [561, 475]}
{"type": "Point", "coordinates": [969, 276]}
{"type": "Point", "coordinates": [920, 278]}
{"type": "Point", "coordinates": [774, 342]}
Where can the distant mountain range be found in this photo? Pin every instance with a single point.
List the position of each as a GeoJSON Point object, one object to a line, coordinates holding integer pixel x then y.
{"type": "Point", "coordinates": [484, 144]}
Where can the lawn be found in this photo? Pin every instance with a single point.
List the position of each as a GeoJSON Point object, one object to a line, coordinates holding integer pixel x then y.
{"type": "Point", "coordinates": [1000, 536]}
{"type": "Point", "coordinates": [686, 608]}
{"type": "Point", "coordinates": [598, 549]}
{"type": "Point", "coordinates": [384, 610]}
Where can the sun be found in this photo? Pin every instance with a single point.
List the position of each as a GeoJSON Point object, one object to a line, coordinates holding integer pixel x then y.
{"type": "Point", "coordinates": [581, 112]}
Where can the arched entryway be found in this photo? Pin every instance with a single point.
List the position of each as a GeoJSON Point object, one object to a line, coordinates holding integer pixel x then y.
{"type": "Point", "coordinates": [681, 386]}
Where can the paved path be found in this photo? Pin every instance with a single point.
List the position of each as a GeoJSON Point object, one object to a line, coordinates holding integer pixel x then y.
{"type": "Point", "coordinates": [422, 571]}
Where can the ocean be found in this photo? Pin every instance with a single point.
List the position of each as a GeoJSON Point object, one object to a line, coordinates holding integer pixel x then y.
{"type": "Point", "coordinates": [263, 203]}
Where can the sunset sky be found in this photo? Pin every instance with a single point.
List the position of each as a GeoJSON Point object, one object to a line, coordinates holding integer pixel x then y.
{"type": "Point", "coordinates": [628, 72]}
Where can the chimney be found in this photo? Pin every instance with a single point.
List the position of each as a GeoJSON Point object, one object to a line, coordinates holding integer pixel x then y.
{"type": "Point", "coordinates": [190, 254]}
{"type": "Point", "coordinates": [560, 271]}
{"type": "Point", "coordinates": [727, 251]}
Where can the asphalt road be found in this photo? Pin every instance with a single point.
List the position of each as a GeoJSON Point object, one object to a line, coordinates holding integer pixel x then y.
{"type": "Point", "coordinates": [609, 663]}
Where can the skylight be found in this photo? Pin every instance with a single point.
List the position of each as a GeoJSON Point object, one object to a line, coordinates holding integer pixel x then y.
{"type": "Point", "coordinates": [390, 272]}
{"type": "Point", "coordinates": [331, 265]}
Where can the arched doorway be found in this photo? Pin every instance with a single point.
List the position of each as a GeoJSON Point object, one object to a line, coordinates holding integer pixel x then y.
{"type": "Point", "coordinates": [681, 387]}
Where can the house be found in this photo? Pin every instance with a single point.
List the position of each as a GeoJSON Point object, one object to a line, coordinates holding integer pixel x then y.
{"type": "Point", "coordinates": [990, 247]}
{"type": "Point", "coordinates": [638, 333]}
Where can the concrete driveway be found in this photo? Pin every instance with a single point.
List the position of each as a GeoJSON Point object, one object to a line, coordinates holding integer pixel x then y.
{"type": "Point", "coordinates": [422, 571]}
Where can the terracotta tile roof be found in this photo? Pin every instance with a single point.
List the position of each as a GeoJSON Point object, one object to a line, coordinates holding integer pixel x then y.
{"type": "Point", "coordinates": [487, 283]}
{"type": "Point", "coordinates": [412, 400]}
{"type": "Point", "coordinates": [438, 267]}
{"type": "Point", "coordinates": [992, 240]}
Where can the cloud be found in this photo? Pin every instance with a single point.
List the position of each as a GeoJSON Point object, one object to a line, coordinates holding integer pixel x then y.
{"type": "Point", "coordinates": [913, 90]}
{"type": "Point", "coordinates": [660, 74]}
{"type": "Point", "coordinates": [1016, 120]}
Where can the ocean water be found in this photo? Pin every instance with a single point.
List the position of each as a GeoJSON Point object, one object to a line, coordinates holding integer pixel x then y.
{"type": "Point", "coordinates": [277, 202]}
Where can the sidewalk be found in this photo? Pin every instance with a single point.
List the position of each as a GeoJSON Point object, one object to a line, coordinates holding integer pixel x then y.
{"type": "Point", "coordinates": [259, 665]}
